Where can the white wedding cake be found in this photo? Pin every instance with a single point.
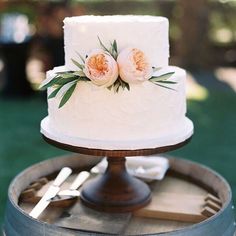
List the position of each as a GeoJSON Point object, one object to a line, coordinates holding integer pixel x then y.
{"type": "Point", "coordinates": [116, 90]}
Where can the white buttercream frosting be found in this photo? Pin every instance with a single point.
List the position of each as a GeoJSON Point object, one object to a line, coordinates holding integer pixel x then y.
{"type": "Point", "coordinates": [146, 112]}
{"type": "Point", "coordinates": [147, 33]}
{"type": "Point", "coordinates": [146, 116]}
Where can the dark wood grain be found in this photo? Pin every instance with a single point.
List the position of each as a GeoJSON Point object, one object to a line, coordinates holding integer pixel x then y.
{"type": "Point", "coordinates": [116, 153]}
{"type": "Point", "coordinates": [116, 190]}
{"type": "Point", "coordinates": [18, 222]}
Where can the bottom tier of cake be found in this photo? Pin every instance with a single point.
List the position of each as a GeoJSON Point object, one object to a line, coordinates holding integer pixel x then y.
{"type": "Point", "coordinates": [146, 116]}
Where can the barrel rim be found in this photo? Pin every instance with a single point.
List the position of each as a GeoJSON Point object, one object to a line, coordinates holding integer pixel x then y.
{"type": "Point", "coordinates": [187, 228]}
{"type": "Point", "coordinates": [221, 211]}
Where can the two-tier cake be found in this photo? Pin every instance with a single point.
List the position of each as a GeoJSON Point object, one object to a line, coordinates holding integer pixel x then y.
{"type": "Point", "coordinates": [116, 90]}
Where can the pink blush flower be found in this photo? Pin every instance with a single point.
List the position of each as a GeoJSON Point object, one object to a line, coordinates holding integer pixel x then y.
{"type": "Point", "coordinates": [134, 66]}
{"type": "Point", "coordinates": [101, 68]}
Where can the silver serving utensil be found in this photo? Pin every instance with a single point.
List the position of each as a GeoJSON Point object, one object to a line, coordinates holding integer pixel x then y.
{"type": "Point", "coordinates": [51, 192]}
{"type": "Point", "coordinates": [72, 191]}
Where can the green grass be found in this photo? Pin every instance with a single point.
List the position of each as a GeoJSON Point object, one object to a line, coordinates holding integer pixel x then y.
{"type": "Point", "coordinates": [213, 144]}
{"type": "Point", "coordinates": [21, 144]}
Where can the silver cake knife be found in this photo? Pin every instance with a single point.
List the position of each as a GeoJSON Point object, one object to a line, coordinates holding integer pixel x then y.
{"type": "Point", "coordinates": [51, 192]}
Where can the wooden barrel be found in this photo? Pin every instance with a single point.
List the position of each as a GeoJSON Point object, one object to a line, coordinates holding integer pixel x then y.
{"type": "Point", "coordinates": [191, 177]}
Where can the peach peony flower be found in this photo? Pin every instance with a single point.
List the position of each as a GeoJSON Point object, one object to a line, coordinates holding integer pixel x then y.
{"type": "Point", "coordinates": [134, 66]}
{"type": "Point", "coordinates": [101, 68]}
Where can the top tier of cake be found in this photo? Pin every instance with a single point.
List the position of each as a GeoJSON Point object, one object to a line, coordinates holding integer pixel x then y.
{"type": "Point", "coordinates": [81, 35]}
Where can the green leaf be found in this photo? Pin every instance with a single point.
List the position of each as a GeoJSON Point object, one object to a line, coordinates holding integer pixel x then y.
{"type": "Point", "coordinates": [81, 58]}
{"type": "Point", "coordinates": [54, 93]}
{"type": "Point", "coordinates": [67, 95]}
{"type": "Point", "coordinates": [114, 55]}
{"type": "Point", "coordinates": [102, 45]}
{"type": "Point", "coordinates": [83, 78]}
{"type": "Point", "coordinates": [51, 82]}
{"type": "Point", "coordinates": [67, 75]}
{"type": "Point", "coordinates": [124, 84]}
{"type": "Point", "coordinates": [115, 46]}
{"type": "Point", "coordinates": [161, 77]}
{"type": "Point", "coordinates": [167, 82]}
{"type": "Point", "coordinates": [79, 73]}
{"type": "Point", "coordinates": [77, 64]}
{"type": "Point", "coordinates": [163, 86]}
{"type": "Point", "coordinates": [110, 87]}
{"type": "Point", "coordinates": [119, 83]}
{"type": "Point", "coordinates": [127, 86]}
{"type": "Point", "coordinates": [64, 72]}
{"type": "Point", "coordinates": [113, 49]}
{"type": "Point", "coordinates": [63, 81]}
{"type": "Point", "coordinates": [116, 86]}
{"type": "Point", "coordinates": [63, 78]}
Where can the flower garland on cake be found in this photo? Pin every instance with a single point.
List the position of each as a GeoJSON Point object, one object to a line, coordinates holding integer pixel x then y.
{"type": "Point", "coordinates": [109, 69]}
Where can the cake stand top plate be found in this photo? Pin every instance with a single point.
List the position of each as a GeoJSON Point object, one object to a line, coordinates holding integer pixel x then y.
{"type": "Point", "coordinates": [116, 153]}
{"type": "Point", "coordinates": [170, 142]}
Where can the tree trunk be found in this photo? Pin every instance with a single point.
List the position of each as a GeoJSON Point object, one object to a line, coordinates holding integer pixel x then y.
{"type": "Point", "coordinates": [192, 46]}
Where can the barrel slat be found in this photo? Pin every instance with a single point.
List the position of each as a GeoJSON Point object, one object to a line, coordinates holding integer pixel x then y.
{"type": "Point", "coordinates": [18, 222]}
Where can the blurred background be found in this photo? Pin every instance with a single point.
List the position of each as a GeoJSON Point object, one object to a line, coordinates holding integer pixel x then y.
{"type": "Point", "coordinates": [202, 40]}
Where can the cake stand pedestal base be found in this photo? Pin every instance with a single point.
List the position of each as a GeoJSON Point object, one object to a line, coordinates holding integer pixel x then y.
{"type": "Point", "coordinates": [116, 190]}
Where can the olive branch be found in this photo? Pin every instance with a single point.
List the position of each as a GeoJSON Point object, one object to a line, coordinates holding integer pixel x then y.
{"type": "Point", "coordinates": [162, 80]}
{"type": "Point", "coordinates": [64, 83]}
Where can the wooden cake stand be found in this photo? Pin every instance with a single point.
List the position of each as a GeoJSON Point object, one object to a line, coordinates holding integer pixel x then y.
{"type": "Point", "coordinates": [115, 190]}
